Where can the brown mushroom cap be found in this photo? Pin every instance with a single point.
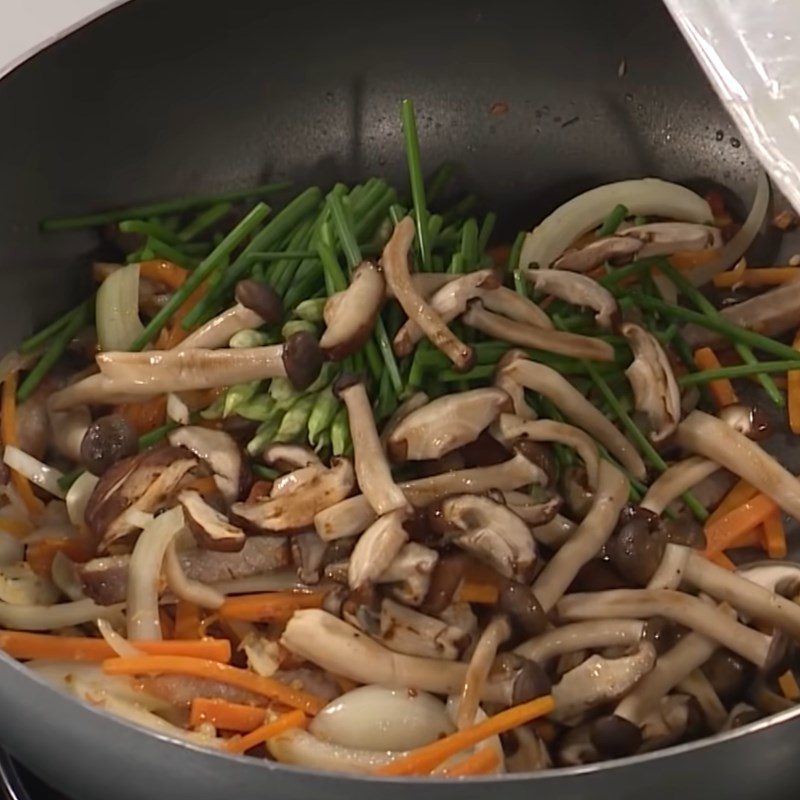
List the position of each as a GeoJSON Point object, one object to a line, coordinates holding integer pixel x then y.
{"type": "Point", "coordinates": [750, 420]}
{"type": "Point", "coordinates": [615, 737]}
{"type": "Point", "coordinates": [524, 611]}
{"type": "Point", "coordinates": [637, 549]}
{"type": "Point", "coordinates": [108, 440]}
{"type": "Point", "coordinates": [212, 529]}
{"type": "Point", "coordinates": [729, 674]}
{"type": "Point", "coordinates": [302, 359]}
{"type": "Point", "coordinates": [261, 298]}
{"type": "Point", "coordinates": [445, 580]}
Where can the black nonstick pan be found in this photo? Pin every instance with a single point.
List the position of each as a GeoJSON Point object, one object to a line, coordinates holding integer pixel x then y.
{"type": "Point", "coordinates": [533, 101]}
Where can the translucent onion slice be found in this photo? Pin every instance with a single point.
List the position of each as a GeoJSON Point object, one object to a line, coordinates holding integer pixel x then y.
{"type": "Point", "coordinates": [646, 197]}
{"type": "Point", "coordinates": [34, 470]}
{"type": "Point", "coordinates": [117, 309]}
{"type": "Point", "coordinates": [77, 498]}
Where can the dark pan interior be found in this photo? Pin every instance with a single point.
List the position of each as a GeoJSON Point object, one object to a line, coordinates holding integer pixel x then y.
{"type": "Point", "coordinates": [533, 101]}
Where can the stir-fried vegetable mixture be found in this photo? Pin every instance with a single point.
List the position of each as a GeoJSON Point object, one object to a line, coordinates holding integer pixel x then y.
{"type": "Point", "coordinates": [352, 483]}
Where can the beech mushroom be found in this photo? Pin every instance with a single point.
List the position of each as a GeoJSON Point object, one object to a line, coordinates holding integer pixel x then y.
{"type": "Point", "coordinates": [586, 541]}
{"type": "Point", "coordinates": [782, 577]}
{"type": "Point", "coordinates": [410, 573]}
{"type": "Point", "coordinates": [288, 457]}
{"type": "Point", "coordinates": [68, 429]}
{"type": "Point", "coordinates": [350, 315]}
{"type": "Point", "coordinates": [504, 381]}
{"type": "Point", "coordinates": [509, 303]}
{"type": "Point", "coordinates": [295, 509]}
{"type": "Point", "coordinates": [220, 451]}
{"type": "Point", "coordinates": [637, 549]}
{"type": "Point", "coordinates": [594, 635]}
{"type": "Point", "coordinates": [535, 512]}
{"type": "Point", "coordinates": [655, 390]}
{"type": "Point", "coordinates": [685, 609]}
{"type": "Point", "coordinates": [355, 514]}
{"type": "Point", "coordinates": [554, 533]}
{"type": "Point", "coordinates": [577, 289]}
{"type": "Point", "coordinates": [448, 302]}
{"type": "Point", "coordinates": [445, 424]}
{"type": "Point", "coordinates": [398, 276]}
{"type": "Point", "coordinates": [376, 549]}
{"type": "Point", "coordinates": [711, 437]}
{"type": "Point", "coordinates": [677, 479]}
{"type": "Point", "coordinates": [696, 685]}
{"type": "Point", "coordinates": [106, 441]}
{"type": "Point", "coordinates": [217, 332]}
{"type": "Point", "coordinates": [412, 403]}
{"type": "Point", "coordinates": [490, 531]}
{"type": "Point", "coordinates": [211, 528]}
{"type": "Point", "coordinates": [749, 420]}
{"type": "Point", "coordinates": [671, 570]}
{"type": "Point", "coordinates": [608, 248]}
{"type": "Point", "coordinates": [552, 341]}
{"type": "Point", "coordinates": [663, 238]}
{"type": "Point", "coordinates": [574, 406]}
{"type": "Point", "coordinates": [372, 469]}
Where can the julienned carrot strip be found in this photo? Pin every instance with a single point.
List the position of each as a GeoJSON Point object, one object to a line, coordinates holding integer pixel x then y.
{"type": "Point", "coordinates": [793, 391]}
{"type": "Point", "coordinates": [187, 620]}
{"type": "Point", "coordinates": [721, 390]}
{"type": "Point", "coordinates": [725, 531]}
{"type": "Point", "coordinates": [775, 535]}
{"type": "Point", "coordinates": [721, 560]}
{"type": "Point", "coordinates": [788, 685]}
{"type": "Point", "coordinates": [269, 606]}
{"type": "Point", "coordinates": [426, 758]}
{"type": "Point", "coordinates": [163, 272]}
{"type": "Point", "coordinates": [147, 415]}
{"type": "Point", "coordinates": [481, 593]}
{"type": "Point", "coordinates": [203, 668]}
{"type": "Point", "coordinates": [8, 430]}
{"type": "Point", "coordinates": [16, 527]}
{"type": "Point", "coordinates": [481, 762]}
{"type": "Point", "coordinates": [757, 277]}
{"type": "Point", "coordinates": [688, 259]}
{"type": "Point", "coordinates": [740, 493]}
{"type": "Point", "coordinates": [176, 332]}
{"type": "Point", "coordinates": [226, 715]}
{"type": "Point", "coordinates": [23, 645]}
{"type": "Point", "coordinates": [241, 744]}
{"type": "Point", "coordinates": [753, 538]}
{"type": "Point", "coordinates": [40, 554]}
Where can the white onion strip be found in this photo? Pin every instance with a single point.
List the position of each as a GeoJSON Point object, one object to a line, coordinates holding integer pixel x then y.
{"type": "Point", "coordinates": [117, 309]}
{"type": "Point", "coordinates": [34, 470]}
{"type": "Point", "coordinates": [119, 644]}
{"type": "Point", "coordinates": [185, 588]}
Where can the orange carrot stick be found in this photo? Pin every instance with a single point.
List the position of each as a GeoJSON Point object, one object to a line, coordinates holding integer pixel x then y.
{"type": "Point", "coordinates": [8, 430]}
{"type": "Point", "coordinates": [163, 272]}
{"type": "Point", "coordinates": [775, 535]}
{"type": "Point", "coordinates": [725, 531]}
{"type": "Point", "coordinates": [241, 744]}
{"type": "Point", "coordinates": [788, 685]}
{"type": "Point", "coordinates": [722, 389]}
{"type": "Point", "coordinates": [426, 758]}
{"type": "Point", "coordinates": [740, 493]}
{"type": "Point", "coordinates": [203, 668]}
{"type": "Point", "coordinates": [269, 606]}
{"type": "Point", "coordinates": [689, 259]}
{"type": "Point", "coordinates": [226, 715]}
{"type": "Point", "coordinates": [24, 645]}
{"type": "Point", "coordinates": [474, 592]}
{"type": "Point", "coordinates": [757, 277]}
{"type": "Point", "coordinates": [481, 762]}
{"type": "Point", "coordinates": [16, 527]}
{"type": "Point", "coordinates": [721, 560]}
{"type": "Point", "coordinates": [793, 391]}
{"type": "Point", "coordinates": [40, 554]}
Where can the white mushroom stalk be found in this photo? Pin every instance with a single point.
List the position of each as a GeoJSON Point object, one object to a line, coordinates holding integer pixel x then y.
{"type": "Point", "coordinates": [350, 315]}
{"type": "Point", "coordinates": [586, 541]}
{"type": "Point", "coordinates": [444, 424]}
{"type": "Point", "coordinates": [217, 332]}
{"type": "Point", "coordinates": [185, 588]}
{"type": "Point", "coordinates": [745, 596]}
{"type": "Point", "coordinates": [502, 380]}
{"type": "Point", "coordinates": [555, 533]}
{"type": "Point", "coordinates": [560, 342]}
{"type": "Point", "coordinates": [398, 276]}
{"type": "Point", "coordinates": [656, 392]}
{"type": "Point", "coordinates": [353, 515]}
{"type": "Point", "coordinates": [449, 302]}
{"type": "Point", "coordinates": [671, 570]}
{"type": "Point", "coordinates": [594, 635]}
{"type": "Point", "coordinates": [711, 437]}
{"type": "Point", "coordinates": [599, 680]}
{"type": "Point", "coordinates": [376, 549]}
{"type": "Point", "coordinates": [682, 608]}
{"type": "Point", "coordinates": [645, 197]}
{"type": "Point", "coordinates": [494, 634]}
{"type": "Point", "coordinates": [577, 289]}
{"type": "Point", "coordinates": [406, 630]}
{"type": "Point", "coordinates": [696, 685]}
{"type": "Point", "coordinates": [410, 572]}
{"type": "Point", "coordinates": [663, 238]}
{"type": "Point", "coordinates": [144, 574]}
{"type": "Point", "coordinates": [510, 427]}
{"type": "Point", "coordinates": [677, 479]}
{"type": "Point", "coordinates": [372, 469]}
{"type": "Point", "coordinates": [68, 429]}
{"type": "Point", "coordinates": [574, 406]}
{"type": "Point", "coordinates": [507, 302]}
{"type": "Point", "coordinates": [608, 248]}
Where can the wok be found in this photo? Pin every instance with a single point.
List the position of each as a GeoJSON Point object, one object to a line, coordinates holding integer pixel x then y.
{"type": "Point", "coordinates": [159, 98]}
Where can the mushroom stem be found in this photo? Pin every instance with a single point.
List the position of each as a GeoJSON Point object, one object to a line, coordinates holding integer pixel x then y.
{"type": "Point", "coordinates": [510, 427]}
{"type": "Point", "coordinates": [353, 515]}
{"type": "Point", "coordinates": [670, 571]}
{"type": "Point", "coordinates": [507, 302]}
{"type": "Point", "coordinates": [698, 686]}
{"type": "Point", "coordinates": [553, 534]}
{"type": "Point", "coordinates": [744, 595]}
{"type": "Point", "coordinates": [398, 277]}
{"type": "Point", "coordinates": [217, 332]}
{"type": "Point", "coordinates": [376, 548]}
{"type": "Point", "coordinates": [711, 437]}
{"type": "Point", "coordinates": [577, 289]}
{"type": "Point", "coordinates": [372, 468]}
{"type": "Point", "coordinates": [682, 608]}
{"type": "Point", "coordinates": [561, 342]}
{"type": "Point", "coordinates": [494, 634]}
{"type": "Point", "coordinates": [585, 543]}
{"type": "Point", "coordinates": [594, 635]}
{"type": "Point", "coordinates": [679, 478]}
{"type": "Point", "coordinates": [571, 403]}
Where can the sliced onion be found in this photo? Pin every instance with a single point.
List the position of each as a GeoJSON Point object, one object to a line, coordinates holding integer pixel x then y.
{"type": "Point", "coordinates": [12, 549]}
{"type": "Point", "coordinates": [34, 470]}
{"type": "Point", "coordinates": [65, 577]}
{"type": "Point", "coordinates": [646, 197]}
{"type": "Point", "coordinates": [78, 498]}
{"type": "Point", "coordinates": [177, 410]}
{"type": "Point", "coordinates": [732, 252]}
{"type": "Point", "coordinates": [119, 644]}
{"type": "Point", "coordinates": [117, 309]}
